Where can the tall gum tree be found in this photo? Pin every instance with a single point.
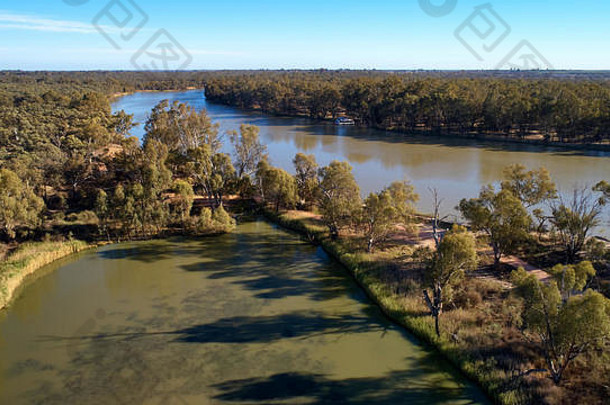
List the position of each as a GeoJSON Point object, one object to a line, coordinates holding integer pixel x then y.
{"type": "Point", "coordinates": [455, 255]}
{"type": "Point", "coordinates": [563, 326]}
{"type": "Point", "coordinates": [339, 196]}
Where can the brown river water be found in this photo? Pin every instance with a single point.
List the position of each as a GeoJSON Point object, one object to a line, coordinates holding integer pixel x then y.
{"type": "Point", "coordinates": [257, 316]}
{"type": "Point", "coordinates": [458, 168]}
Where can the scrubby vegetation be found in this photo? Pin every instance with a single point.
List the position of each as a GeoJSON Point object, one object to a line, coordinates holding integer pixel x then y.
{"type": "Point", "coordinates": [69, 168]}
{"type": "Point", "coordinates": [529, 337]}
{"type": "Point", "coordinates": [66, 162]}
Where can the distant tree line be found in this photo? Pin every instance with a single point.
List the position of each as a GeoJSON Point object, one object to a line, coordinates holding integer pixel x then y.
{"type": "Point", "coordinates": [569, 111]}
{"type": "Point", "coordinates": [66, 159]}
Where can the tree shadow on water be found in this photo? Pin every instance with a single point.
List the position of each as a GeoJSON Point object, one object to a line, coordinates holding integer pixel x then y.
{"type": "Point", "coordinates": [150, 251]}
{"type": "Point", "coordinates": [276, 267]}
{"type": "Point", "coordinates": [249, 329]}
{"type": "Point", "coordinates": [278, 279]}
{"type": "Point", "coordinates": [398, 387]}
{"type": "Point", "coordinates": [273, 328]}
{"type": "Point", "coordinates": [232, 246]}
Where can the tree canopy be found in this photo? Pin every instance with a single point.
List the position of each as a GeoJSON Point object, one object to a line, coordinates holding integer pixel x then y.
{"type": "Point", "coordinates": [455, 255]}
{"type": "Point", "coordinates": [339, 196]}
{"type": "Point", "coordinates": [384, 211]}
{"type": "Point", "coordinates": [19, 206]}
{"type": "Point", "coordinates": [502, 216]}
{"type": "Point", "coordinates": [564, 328]}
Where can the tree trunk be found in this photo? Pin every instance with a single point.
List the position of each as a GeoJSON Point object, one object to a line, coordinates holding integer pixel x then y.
{"type": "Point", "coordinates": [435, 307]}
{"type": "Point", "coordinates": [556, 372]}
{"type": "Point", "coordinates": [334, 232]}
{"type": "Point", "coordinates": [497, 256]}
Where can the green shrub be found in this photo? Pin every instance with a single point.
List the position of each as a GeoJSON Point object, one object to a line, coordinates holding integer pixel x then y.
{"type": "Point", "coordinates": [204, 221]}
{"type": "Point", "coordinates": [467, 298]}
{"type": "Point", "coordinates": [222, 221]}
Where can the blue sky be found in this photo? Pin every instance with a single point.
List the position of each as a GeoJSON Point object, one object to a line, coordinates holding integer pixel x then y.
{"type": "Point", "coordinates": [240, 34]}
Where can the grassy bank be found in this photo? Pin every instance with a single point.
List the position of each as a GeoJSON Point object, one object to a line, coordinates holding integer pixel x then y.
{"type": "Point", "coordinates": [365, 273]}
{"type": "Point", "coordinates": [475, 338]}
{"type": "Point", "coordinates": [27, 259]}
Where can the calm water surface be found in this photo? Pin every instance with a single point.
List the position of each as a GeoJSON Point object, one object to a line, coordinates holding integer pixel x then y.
{"type": "Point", "coordinates": [254, 317]}
{"type": "Point", "coordinates": [457, 167]}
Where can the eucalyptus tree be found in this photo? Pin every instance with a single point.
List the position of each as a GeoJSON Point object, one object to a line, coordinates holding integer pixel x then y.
{"type": "Point", "coordinates": [307, 178]}
{"type": "Point", "coordinates": [339, 196]}
{"type": "Point", "coordinates": [222, 178]}
{"type": "Point", "coordinates": [384, 211]}
{"type": "Point", "coordinates": [248, 153]}
{"type": "Point", "coordinates": [279, 187]}
{"type": "Point", "coordinates": [574, 219]}
{"type": "Point", "coordinates": [532, 187]}
{"type": "Point", "coordinates": [455, 255]}
{"type": "Point", "coordinates": [603, 187]}
{"type": "Point", "coordinates": [501, 216]}
{"type": "Point", "coordinates": [184, 197]}
{"type": "Point", "coordinates": [181, 128]}
{"type": "Point", "coordinates": [19, 206]}
{"type": "Point", "coordinates": [563, 326]}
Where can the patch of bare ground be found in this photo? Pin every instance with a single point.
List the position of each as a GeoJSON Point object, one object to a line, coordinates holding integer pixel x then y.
{"type": "Point", "coordinates": [480, 325]}
{"type": "Point", "coordinates": [424, 238]}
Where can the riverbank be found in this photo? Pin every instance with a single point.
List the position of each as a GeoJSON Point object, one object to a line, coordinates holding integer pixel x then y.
{"type": "Point", "coordinates": [30, 257]}
{"type": "Point", "coordinates": [491, 137]}
{"type": "Point", "coordinates": [287, 322]}
{"type": "Point", "coordinates": [475, 338]}
{"type": "Point", "coordinates": [495, 138]}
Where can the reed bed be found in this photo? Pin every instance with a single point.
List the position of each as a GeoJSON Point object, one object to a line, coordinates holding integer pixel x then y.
{"type": "Point", "coordinates": [27, 259]}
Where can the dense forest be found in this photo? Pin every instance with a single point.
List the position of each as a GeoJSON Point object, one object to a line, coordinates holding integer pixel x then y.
{"type": "Point", "coordinates": [544, 109]}
{"type": "Point", "coordinates": [66, 161]}
{"type": "Point", "coordinates": [564, 107]}
{"type": "Point", "coordinates": [70, 169]}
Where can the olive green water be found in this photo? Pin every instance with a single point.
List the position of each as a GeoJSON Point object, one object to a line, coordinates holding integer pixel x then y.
{"type": "Point", "coordinates": [258, 316]}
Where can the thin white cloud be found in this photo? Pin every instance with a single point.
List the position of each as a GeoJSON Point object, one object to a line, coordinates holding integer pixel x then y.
{"type": "Point", "coordinates": [111, 51]}
{"type": "Point", "coordinates": [33, 23]}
